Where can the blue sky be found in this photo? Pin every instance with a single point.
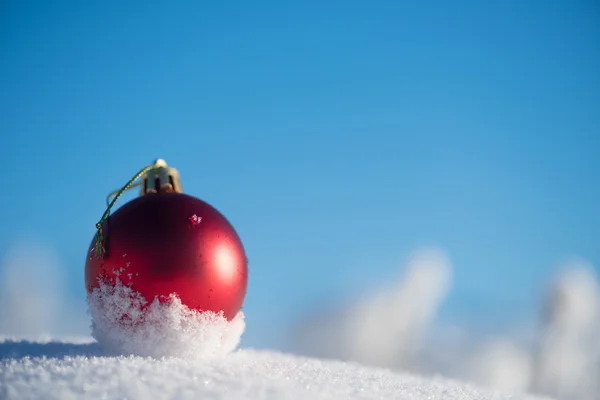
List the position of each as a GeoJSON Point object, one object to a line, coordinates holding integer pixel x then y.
{"type": "Point", "coordinates": [336, 136]}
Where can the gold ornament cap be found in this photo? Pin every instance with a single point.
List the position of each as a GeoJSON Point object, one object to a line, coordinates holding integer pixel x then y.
{"type": "Point", "coordinates": [160, 178]}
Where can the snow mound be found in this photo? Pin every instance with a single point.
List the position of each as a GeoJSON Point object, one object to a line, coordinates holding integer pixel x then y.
{"type": "Point", "coordinates": [124, 323]}
{"type": "Point", "coordinates": [58, 370]}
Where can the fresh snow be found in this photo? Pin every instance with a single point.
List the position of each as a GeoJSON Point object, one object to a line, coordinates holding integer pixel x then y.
{"type": "Point", "coordinates": [391, 344]}
{"type": "Point", "coordinates": [164, 350]}
{"type": "Point", "coordinates": [125, 323]}
{"type": "Point", "coordinates": [70, 370]}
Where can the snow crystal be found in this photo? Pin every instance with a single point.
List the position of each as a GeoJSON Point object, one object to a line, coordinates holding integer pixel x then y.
{"type": "Point", "coordinates": [123, 322]}
{"type": "Point", "coordinates": [81, 373]}
{"type": "Point", "coordinates": [195, 220]}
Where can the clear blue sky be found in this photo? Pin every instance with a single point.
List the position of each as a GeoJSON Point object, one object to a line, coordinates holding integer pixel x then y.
{"type": "Point", "coordinates": [336, 136]}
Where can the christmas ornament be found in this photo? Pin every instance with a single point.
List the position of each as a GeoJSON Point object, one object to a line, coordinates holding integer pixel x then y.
{"type": "Point", "coordinates": [164, 242]}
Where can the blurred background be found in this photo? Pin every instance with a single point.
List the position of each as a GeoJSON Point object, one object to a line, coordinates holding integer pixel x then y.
{"type": "Point", "coordinates": [415, 183]}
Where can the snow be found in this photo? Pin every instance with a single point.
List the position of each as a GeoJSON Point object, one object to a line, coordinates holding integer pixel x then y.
{"type": "Point", "coordinates": [164, 350]}
{"type": "Point", "coordinates": [394, 326]}
{"type": "Point", "coordinates": [388, 345]}
{"type": "Point", "coordinates": [385, 328]}
{"type": "Point", "coordinates": [124, 323]}
{"type": "Point", "coordinates": [70, 370]}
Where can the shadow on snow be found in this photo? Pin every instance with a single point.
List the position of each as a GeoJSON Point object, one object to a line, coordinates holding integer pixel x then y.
{"type": "Point", "coordinates": [23, 348]}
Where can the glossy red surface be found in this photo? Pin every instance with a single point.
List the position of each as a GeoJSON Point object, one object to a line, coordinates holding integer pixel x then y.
{"type": "Point", "coordinates": [173, 243]}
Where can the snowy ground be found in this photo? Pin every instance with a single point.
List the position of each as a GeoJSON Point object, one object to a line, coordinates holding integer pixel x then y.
{"type": "Point", "coordinates": [169, 352]}
{"type": "Point", "coordinates": [79, 370]}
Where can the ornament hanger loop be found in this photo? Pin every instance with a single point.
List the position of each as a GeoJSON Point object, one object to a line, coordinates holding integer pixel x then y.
{"type": "Point", "coordinates": [159, 164]}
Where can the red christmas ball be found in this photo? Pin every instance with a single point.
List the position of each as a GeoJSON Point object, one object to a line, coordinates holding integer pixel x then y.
{"type": "Point", "coordinates": [164, 243]}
